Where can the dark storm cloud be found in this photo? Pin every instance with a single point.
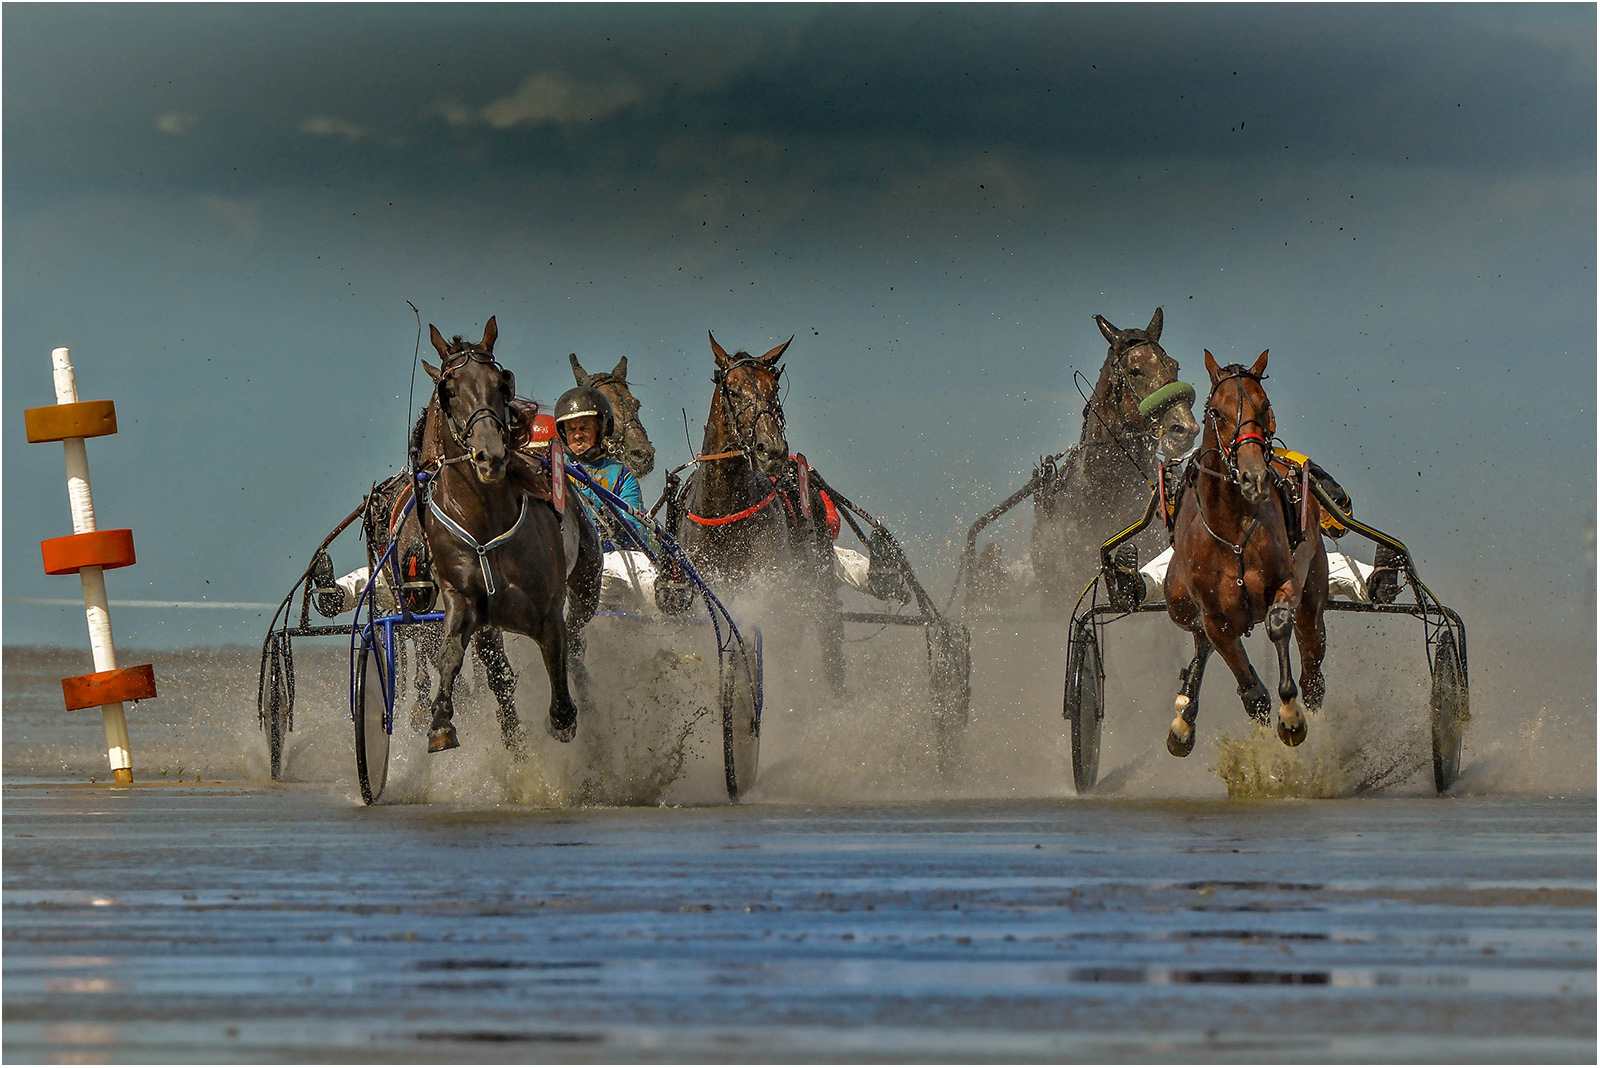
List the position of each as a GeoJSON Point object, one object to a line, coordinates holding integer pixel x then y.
{"type": "Point", "coordinates": [233, 99]}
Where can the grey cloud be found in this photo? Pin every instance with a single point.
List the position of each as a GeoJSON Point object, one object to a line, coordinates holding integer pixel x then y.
{"type": "Point", "coordinates": [176, 123]}
{"type": "Point", "coordinates": [330, 126]}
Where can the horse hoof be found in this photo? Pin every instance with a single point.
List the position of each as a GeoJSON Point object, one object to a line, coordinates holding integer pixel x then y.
{"type": "Point", "coordinates": [1291, 726]}
{"type": "Point", "coordinates": [442, 738]}
{"type": "Point", "coordinates": [1180, 738]}
{"type": "Point", "coordinates": [563, 728]}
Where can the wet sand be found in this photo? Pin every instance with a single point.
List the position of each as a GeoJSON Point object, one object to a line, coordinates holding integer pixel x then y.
{"type": "Point", "coordinates": [601, 903]}
{"type": "Point", "coordinates": [266, 923]}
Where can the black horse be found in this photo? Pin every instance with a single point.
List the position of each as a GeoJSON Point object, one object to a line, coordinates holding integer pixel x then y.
{"type": "Point", "coordinates": [498, 551]}
{"type": "Point", "coordinates": [1105, 480]}
{"type": "Point", "coordinates": [750, 509]}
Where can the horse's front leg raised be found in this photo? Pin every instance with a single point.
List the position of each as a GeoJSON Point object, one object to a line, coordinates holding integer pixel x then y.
{"type": "Point", "coordinates": [460, 620]}
{"type": "Point", "coordinates": [1280, 625]}
{"type": "Point", "coordinates": [490, 644]}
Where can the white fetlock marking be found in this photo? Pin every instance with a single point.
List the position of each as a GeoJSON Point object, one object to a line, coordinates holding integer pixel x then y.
{"type": "Point", "coordinates": [1181, 703]}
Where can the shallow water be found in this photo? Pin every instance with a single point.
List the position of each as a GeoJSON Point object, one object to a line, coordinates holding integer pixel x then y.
{"type": "Point", "coordinates": [858, 906]}
{"type": "Point", "coordinates": [268, 923]}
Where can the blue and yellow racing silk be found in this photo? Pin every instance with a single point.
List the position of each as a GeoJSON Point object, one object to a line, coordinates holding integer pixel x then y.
{"type": "Point", "coordinates": [619, 480]}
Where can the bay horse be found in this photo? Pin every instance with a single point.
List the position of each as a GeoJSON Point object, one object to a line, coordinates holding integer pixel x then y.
{"type": "Point", "coordinates": [500, 554]}
{"type": "Point", "coordinates": [1105, 480]}
{"type": "Point", "coordinates": [630, 445]}
{"type": "Point", "coordinates": [744, 511]}
{"type": "Point", "coordinates": [1233, 564]}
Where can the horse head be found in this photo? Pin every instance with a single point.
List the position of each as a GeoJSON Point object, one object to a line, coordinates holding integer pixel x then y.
{"type": "Point", "coordinates": [1136, 381]}
{"type": "Point", "coordinates": [630, 444]}
{"type": "Point", "coordinates": [1240, 424]}
{"type": "Point", "coordinates": [746, 413]}
{"type": "Point", "coordinates": [473, 393]}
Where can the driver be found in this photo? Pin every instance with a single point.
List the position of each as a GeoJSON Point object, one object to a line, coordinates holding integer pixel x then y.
{"type": "Point", "coordinates": [585, 421]}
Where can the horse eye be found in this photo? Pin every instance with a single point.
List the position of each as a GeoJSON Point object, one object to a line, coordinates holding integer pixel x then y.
{"type": "Point", "coordinates": [1134, 372]}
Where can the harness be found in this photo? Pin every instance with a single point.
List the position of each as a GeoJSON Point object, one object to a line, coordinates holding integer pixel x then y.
{"type": "Point", "coordinates": [1230, 454]}
{"type": "Point", "coordinates": [730, 414]}
{"type": "Point", "coordinates": [433, 470]}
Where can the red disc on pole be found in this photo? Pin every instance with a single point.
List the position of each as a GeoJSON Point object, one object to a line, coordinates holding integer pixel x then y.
{"type": "Point", "coordinates": [109, 687]}
{"type": "Point", "coordinates": [69, 555]}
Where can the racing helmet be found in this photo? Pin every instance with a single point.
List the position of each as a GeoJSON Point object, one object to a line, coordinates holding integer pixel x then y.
{"type": "Point", "coordinates": [586, 400]}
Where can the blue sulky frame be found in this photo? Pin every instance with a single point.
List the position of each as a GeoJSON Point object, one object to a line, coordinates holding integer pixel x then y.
{"type": "Point", "coordinates": [373, 651]}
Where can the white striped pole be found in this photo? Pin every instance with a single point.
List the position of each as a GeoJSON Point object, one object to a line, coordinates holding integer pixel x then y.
{"type": "Point", "coordinates": [88, 551]}
{"type": "Point", "coordinates": [95, 604]}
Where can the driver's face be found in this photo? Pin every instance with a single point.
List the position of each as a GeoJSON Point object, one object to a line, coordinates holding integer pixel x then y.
{"type": "Point", "coordinates": [581, 433]}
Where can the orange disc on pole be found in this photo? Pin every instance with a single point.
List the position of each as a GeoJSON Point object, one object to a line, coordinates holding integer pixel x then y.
{"type": "Point", "coordinates": [109, 687]}
{"type": "Point", "coordinates": [69, 555]}
{"type": "Point", "coordinates": [83, 419]}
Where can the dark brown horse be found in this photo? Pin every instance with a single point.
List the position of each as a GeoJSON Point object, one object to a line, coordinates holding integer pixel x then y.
{"type": "Point", "coordinates": [1102, 482]}
{"type": "Point", "coordinates": [498, 551]}
{"type": "Point", "coordinates": [631, 445]}
{"type": "Point", "coordinates": [744, 512]}
{"type": "Point", "coordinates": [1233, 564]}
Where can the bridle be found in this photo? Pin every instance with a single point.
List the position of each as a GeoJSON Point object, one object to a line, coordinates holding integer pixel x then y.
{"type": "Point", "coordinates": [453, 363]}
{"type": "Point", "coordinates": [1259, 418]}
{"type": "Point", "coordinates": [764, 408]}
{"type": "Point", "coordinates": [1122, 382]}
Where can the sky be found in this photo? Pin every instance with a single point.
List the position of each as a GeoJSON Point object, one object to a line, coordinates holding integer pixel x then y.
{"type": "Point", "coordinates": [223, 211]}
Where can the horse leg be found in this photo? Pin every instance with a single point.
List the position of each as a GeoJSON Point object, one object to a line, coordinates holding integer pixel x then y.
{"type": "Point", "coordinates": [1280, 625]}
{"type": "Point", "coordinates": [1312, 638]}
{"type": "Point", "coordinates": [491, 647]}
{"type": "Point", "coordinates": [552, 639]}
{"type": "Point", "coordinates": [1257, 702]}
{"type": "Point", "coordinates": [1181, 735]}
{"type": "Point", "coordinates": [460, 620]}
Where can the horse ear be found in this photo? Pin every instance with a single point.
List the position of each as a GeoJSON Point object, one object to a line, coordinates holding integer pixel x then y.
{"type": "Point", "coordinates": [433, 372]}
{"type": "Point", "coordinates": [1154, 329]}
{"type": "Point", "coordinates": [1107, 329]}
{"type": "Point", "coordinates": [438, 341]}
{"type": "Point", "coordinates": [1259, 368]}
{"type": "Point", "coordinates": [718, 351]}
{"type": "Point", "coordinates": [772, 357]}
{"type": "Point", "coordinates": [578, 372]}
{"type": "Point", "coordinates": [620, 371]}
{"type": "Point", "coordinates": [1211, 367]}
{"type": "Point", "coordinates": [490, 332]}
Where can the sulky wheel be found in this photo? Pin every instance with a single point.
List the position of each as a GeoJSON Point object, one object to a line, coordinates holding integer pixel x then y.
{"type": "Point", "coordinates": [741, 697]}
{"type": "Point", "coordinates": [1447, 707]}
{"type": "Point", "coordinates": [372, 699]}
{"type": "Point", "coordinates": [1085, 704]}
{"type": "Point", "coordinates": [277, 701]}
